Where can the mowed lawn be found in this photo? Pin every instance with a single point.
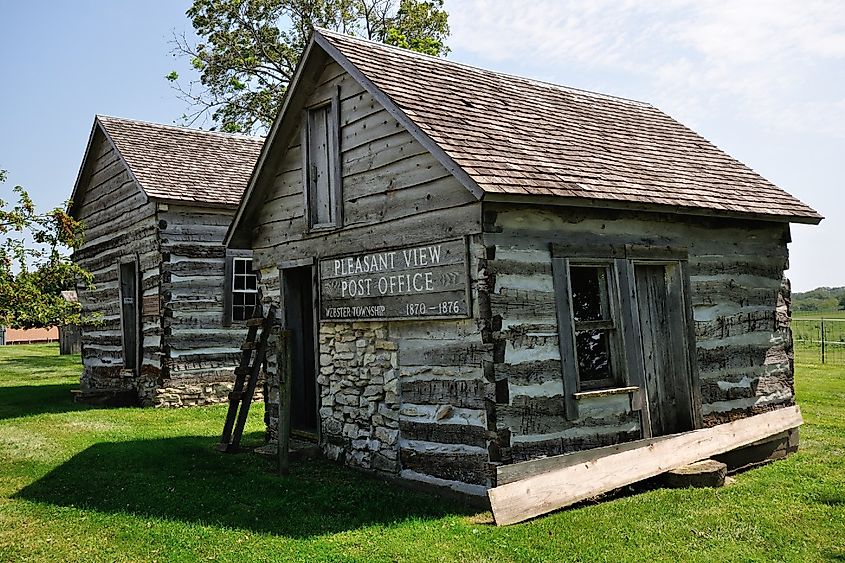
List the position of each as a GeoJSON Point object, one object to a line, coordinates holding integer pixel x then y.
{"type": "Point", "coordinates": [146, 485]}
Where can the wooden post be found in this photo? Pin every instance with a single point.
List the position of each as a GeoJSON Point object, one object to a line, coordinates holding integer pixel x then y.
{"type": "Point", "coordinates": [821, 331]}
{"type": "Point", "coordinates": [284, 368]}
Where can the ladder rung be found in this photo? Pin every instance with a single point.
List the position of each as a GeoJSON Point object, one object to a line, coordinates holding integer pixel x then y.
{"type": "Point", "coordinates": [248, 345]}
{"type": "Point", "coordinates": [255, 321]}
{"type": "Point", "coordinates": [235, 396]}
{"type": "Point", "coordinates": [242, 370]}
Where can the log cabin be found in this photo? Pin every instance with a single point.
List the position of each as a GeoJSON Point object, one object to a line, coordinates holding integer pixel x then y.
{"type": "Point", "coordinates": [168, 305]}
{"type": "Point", "coordinates": [480, 269]}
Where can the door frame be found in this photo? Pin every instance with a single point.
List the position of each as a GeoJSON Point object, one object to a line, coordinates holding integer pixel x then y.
{"type": "Point", "coordinates": [138, 298]}
{"type": "Point", "coordinates": [283, 266]}
{"type": "Point", "coordinates": [678, 282]}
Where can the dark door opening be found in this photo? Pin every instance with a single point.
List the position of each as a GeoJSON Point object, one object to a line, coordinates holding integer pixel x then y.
{"type": "Point", "coordinates": [662, 326]}
{"type": "Point", "coordinates": [129, 313]}
{"type": "Point", "coordinates": [299, 319]}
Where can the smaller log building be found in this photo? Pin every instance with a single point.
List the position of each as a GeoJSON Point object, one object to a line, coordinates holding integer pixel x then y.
{"type": "Point", "coordinates": [168, 302]}
{"type": "Point", "coordinates": [480, 269]}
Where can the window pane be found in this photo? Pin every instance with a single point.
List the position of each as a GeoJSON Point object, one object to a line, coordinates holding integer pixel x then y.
{"type": "Point", "coordinates": [240, 266]}
{"type": "Point", "coordinates": [589, 293]}
{"type": "Point", "coordinates": [250, 281]}
{"type": "Point", "coordinates": [238, 314]}
{"type": "Point", "coordinates": [238, 299]}
{"type": "Point", "coordinates": [240, 282]}
{"type": "Point", "coordinates": [593, 355]}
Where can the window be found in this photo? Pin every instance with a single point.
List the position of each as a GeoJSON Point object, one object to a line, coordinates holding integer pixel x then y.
{"type": "Point", "coordinates": [244, 289]}
{"type": "Point", "coordinates": [592, 317]}
{"type": "Point", "coordinates": [322, 165]}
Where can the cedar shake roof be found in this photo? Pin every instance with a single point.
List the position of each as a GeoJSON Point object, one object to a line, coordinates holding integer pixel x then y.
{"type": "Point", "coordinates": [182, 164]}
{"type": "Point", "coordinates": [518, 137]}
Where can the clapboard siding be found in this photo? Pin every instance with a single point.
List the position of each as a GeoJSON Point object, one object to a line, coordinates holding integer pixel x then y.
{"type": "Point", "coordinates": [740, 307]}
{"type": "Point", "coordinates": [120, 223]}
{"type": "Point", "coordinates": [200, 350]}
{"type": "Point", "coordinates": [394, 193]}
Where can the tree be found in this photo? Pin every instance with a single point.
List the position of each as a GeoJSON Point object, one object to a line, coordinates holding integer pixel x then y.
{"type": "Point", "coordinates": [249, 49]}
{"type": "Point", "coordinates": [842, 303]}
{"type": "Point", "coordinates": [33, 268]}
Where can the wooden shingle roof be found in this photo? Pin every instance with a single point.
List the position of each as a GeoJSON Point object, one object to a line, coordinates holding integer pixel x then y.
{"type": "Point", "coordinates": [518, 137]}
{"type": "Point", "coordinates": [182, 164]}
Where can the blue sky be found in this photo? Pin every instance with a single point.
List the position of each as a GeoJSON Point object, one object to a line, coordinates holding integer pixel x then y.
{"type": "Point", "coordinates": [764, 81]}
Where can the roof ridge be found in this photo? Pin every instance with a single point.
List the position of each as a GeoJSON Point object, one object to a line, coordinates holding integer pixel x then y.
{"type": "Point", "coordinates": [101, 117]}
{"type": "Point", "coordinates": [534, 81]}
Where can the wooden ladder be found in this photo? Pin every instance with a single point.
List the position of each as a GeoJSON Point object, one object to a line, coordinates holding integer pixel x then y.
{"type": "Point", "coordinates": [255, 352]}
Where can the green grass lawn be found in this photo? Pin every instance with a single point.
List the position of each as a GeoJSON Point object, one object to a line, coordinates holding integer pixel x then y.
{"type": "Point", "coordinates": [145, 485]}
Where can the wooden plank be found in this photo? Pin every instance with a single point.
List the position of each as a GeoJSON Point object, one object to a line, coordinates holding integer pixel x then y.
{"type": "Point", "coordinates": [630, 326]}
{"type": "Point", "coordinates": [540, 494]}
{"type": "Point", "coordinates": [566, 336]}
{"type": "Point", "coordinates": [284, 367]}
{"type": "Point", "coordinates": [513, 472]}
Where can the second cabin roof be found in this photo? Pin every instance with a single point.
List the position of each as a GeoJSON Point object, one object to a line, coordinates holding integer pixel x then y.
{"type": "Point", "coordinates": [182, 164]}
{"type": "Point", "coordinates": [514, 136]}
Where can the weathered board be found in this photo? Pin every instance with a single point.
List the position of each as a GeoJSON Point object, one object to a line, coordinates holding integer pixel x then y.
{"type": "Point", "coordinates": [568, 484]}
{"type": "Point", "coordinates": [413, 282]}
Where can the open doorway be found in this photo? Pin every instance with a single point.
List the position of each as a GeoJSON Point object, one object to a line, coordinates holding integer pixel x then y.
{"type": "Point", "coordinates": [299, 310]}
{"type": "Point", "coordinates": [129, 304]}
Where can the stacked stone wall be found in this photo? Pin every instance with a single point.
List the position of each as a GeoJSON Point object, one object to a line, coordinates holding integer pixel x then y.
{"type": "Point", "coordinates": [359, 395]}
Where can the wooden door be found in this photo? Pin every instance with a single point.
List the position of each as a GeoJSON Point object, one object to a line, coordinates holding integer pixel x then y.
{"type": "Point", "coordinates": [299, 316]}
{"type": "Point", "coordinates": [667, 376]}
{"type": "Point", "coordinates": [129, 302]}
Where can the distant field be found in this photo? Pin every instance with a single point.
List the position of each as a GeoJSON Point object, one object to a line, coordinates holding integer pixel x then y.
{"type": "Point", "coordinates": [818, 314]}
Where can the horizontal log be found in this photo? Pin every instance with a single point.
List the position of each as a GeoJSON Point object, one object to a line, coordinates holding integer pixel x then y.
{"type": "Point", "coordinates": [723, 358]}
{"type": "Point", "coordinates": [763, 266]}
{"type": "Point", "coordinates": [735, 325]}
{"type": "Point", "coordinates": [464, 393]}
{"type": "Point", "coordinates": [205, 268]}
{"type": "Point", "coordinates": [466, 468]}
{"type": "Point", "coordinates": [527, 416]}
{"type": "Point", "coordinates": [194, 250]}
{"type": "Point", "coordinates": [467, 434]}
{"type": "Point", "coordinates": [534, 450]}
{"type": "Point", "coordinates": [521, 303]}
{"type": "Point", "coordinates": [530, 373]}
{"type": "Point", "coordinates": [444, 353]}
{"type": "Point", "coordinates": [719, 292]}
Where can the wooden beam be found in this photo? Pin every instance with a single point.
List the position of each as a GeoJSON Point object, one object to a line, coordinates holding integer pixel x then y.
{"type": "Point", "coordinates": [540, 494]}
{"type": "Point", "coordinates": [284, 367]}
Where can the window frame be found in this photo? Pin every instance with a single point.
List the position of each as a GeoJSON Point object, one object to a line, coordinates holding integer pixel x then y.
{"type": "Point", "coordinates": [611, 326]}
{"type": "Point", "coordinates": [621, 260]}
{"type": "Point", "coordinates": [229, 287]}
{"type": "Point", "coordinates": [335, 190]}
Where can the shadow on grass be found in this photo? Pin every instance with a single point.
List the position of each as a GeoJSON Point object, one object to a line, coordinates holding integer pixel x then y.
{"type": "Point", "coordinates": [185, 479]}
{"type": "Point", "coordinates": [27, 400]}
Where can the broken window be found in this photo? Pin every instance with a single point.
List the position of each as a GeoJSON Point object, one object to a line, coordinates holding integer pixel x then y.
{"type": "Point", "coordinates": [595, 330]}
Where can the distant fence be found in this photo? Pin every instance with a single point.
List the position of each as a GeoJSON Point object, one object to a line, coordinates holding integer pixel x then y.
{"type": "Point", "coordinates": [819, 341]}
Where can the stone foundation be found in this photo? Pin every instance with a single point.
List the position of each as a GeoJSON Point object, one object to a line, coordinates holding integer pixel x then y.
{"type": "Point", "coordinates": [174, 393]}
{"type": "Point", "coordinates": [359, 395]}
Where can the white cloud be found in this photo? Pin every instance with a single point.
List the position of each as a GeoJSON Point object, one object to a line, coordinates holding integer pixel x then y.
{"type": "Point", "coordinates": [779, 62]}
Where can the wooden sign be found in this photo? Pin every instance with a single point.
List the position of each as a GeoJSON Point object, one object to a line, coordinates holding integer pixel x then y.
{"type": "Point", "coordinates": [425, 281]}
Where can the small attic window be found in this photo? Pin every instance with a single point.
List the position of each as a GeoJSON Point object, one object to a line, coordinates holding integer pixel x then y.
{"type": "Point", "coordinates": [321, 165]}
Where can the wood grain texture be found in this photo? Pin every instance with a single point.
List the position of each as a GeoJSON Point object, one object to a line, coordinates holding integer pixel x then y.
{"type": "Point", "coordinates": [540, 494]}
